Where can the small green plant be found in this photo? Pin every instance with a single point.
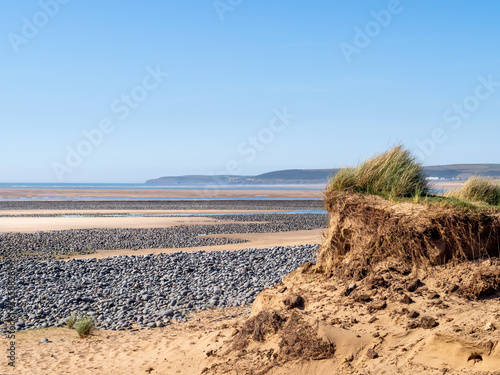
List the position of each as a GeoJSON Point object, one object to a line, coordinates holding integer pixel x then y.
{"type": "Point", "coordinates": [84, 326]}
{"type": "Point", "coordinates": [71, 320]}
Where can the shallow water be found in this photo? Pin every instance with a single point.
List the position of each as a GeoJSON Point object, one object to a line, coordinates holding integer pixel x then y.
{"type": "Point", "coordinates": [191, 215]}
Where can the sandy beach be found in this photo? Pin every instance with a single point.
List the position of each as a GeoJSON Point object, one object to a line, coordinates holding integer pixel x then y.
{"type": "Point", "coordinates": [205, 342]}
{"type": "Point", "coordinates": [150, 193]}
{"type": "Point", "coordinates": [178, 347]}
{"type": "Point", "coordinates": [447, 185]}
{"type": "Point", "coordinates": [44, 224]}
{"type": "Point", "coordinates": [255, 240]}
{"type": "Point", "coordinates": [36, 220]}
{"type": "Point", "coordinates": [296, 193]}
{"type": "Point", "coordinates": [126, 212]}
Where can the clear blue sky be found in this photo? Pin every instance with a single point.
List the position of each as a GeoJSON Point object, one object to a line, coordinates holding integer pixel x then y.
{"type": "Point", "coordinates": [420, 69]}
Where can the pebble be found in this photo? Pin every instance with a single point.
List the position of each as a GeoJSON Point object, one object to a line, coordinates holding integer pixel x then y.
{"type": "Point", "coordinates": [182, 204]}
{"type": "Point", "coordinates": [44, 294]}
{"type": "Point", "coordinates": [61, 244]}
{"type": "Point", "coordinates": [428, 322]}
{"type": "Point", "coordinates": [489, 327]}
{"type": "Point", "coordinates": [413, 314]}
{"type": "Point", "coordinates": [413, 285]}
{"type": "Point", "coordinates": [372, 354]}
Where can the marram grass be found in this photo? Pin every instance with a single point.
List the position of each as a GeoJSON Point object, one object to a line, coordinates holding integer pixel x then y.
{"type": "Point", "coordinates": [71, 321]}
{"type": "Point", "coordinates": [393, 174]}
{"type": "Point", "coordinates": [84, 326]}
{"type": "Point", "coordinates": [478, 189]}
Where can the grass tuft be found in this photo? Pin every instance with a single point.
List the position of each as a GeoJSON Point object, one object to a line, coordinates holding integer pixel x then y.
{"type": "Point", "coordinates": [393, 174]}
{"type": "Point", "coordinates": [84, 326]}
{"type": "Point", "coordinates": [478, 189]}
{"type": "Point", "coordinates": [71, 321]}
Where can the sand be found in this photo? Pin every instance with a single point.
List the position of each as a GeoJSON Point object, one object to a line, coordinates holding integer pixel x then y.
{"type": "Point", "coordinates": [255, 240]}
{"type": "Point", "coordinates": [44, 224]}
{"type": "Point", "coordinates": [128, 212]}
{"type": "Point", "coordinates": [296, 192]}
{"type": "Point", "coordinates": [447, 185]}
{"type": "Point", "coordinates": [175, 349]}
{"type": "Point", "coordinates": [203, 344]}
{"type": "Point", "coordinates": [157, 193]}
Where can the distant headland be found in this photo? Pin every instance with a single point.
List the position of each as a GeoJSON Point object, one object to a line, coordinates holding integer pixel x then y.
{"type": "Point", "coordinates": [320, 176]}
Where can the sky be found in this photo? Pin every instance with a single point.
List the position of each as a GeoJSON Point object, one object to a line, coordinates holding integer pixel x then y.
{"type": "Point", "coordinates": [101, 91]}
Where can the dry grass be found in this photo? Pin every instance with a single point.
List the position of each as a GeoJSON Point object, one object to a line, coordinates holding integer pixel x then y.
{"type": "Point", "coordinates": [296, 338]}
{"type": "Point", "coordinates": [300, 340]}
{"type": "Point", "coordinates": [479, 190]}
{"type": "Point", "coordinates": [485, 283]}
{"type": "Point", "coordinates": [392, 174]}
{"type": "Point", "coordinates": [366, 229]}
{"type": "Point", "coordinates": [267, 322]}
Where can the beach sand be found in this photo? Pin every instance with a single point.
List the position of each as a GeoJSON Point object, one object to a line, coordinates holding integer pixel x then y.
{"type": "Point", "coordinates": [128, 212]}
{"type": "Point", "coordinates": [44, 224]}
{"type": "Point", "coordinates": [296, 192]}
{"type": "Point", "coordinates": [157, 193]}
{"type": "Point", "coordinates": [205, 339]}
{"type": "Point", "coordinates": [255, 240]}
{"type": "Point", "coordinates": [203, 343]}
{"type": "Point", "coordinates": [175, 349]}
{"type": "Point", "coordinates": [447, 185]}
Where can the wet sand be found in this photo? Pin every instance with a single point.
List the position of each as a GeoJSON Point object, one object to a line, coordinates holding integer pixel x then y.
{"type": "Point", "coordinates": [56, 194]}
{"type": "Point", "coordinates": [255, 240]}
{"type": "Point", "coordinates": [447, 185]}
{"type": "Point", "coordinates": [30, 224]}
{"type": "Point", "coordinates": [45, 224]}
{"type": "Point", "coordinates": [126, 212]}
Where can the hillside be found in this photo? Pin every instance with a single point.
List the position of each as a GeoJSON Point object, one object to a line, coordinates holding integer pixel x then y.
{"type": "Point", "coordinates": [289, 176]}
{"type": "Point", "coordinates": [463, 171]}
{"type": "Point", "coordinates": [320, 176]}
